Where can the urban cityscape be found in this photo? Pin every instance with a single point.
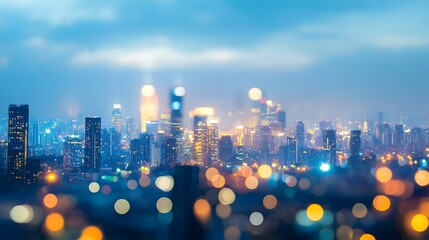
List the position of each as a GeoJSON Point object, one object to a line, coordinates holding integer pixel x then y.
{"type": "Point", "coordinates": [236, 120]}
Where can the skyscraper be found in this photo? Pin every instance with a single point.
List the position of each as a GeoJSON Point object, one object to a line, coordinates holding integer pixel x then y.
{"type": "Point", "coordinates": [201, 152]}
{"type": "Point", "coordinates": [226, 148]}
{"type": "Point", "coordinates": [169, 152]}
{"type": "Point", "coordinates": [73, 154]}
{"type": "Point", "coordinates": [398, 140]}
{"type": "Point", "coordinates": [213, 140]}
{"type": "Point", "coordinates": [177, 118]}
{"type": "Point", "coordinates": [300, 133]}
{"type": "Point", "coordinates": [330, 143]}
{"type": "Point", "coordinates": [92, 158]}
{"type": "Point", "coordinates": [355, 145]}
{"type": "Point", "coordinates": [281, 118]}
{"type": "Point", "coordinates": [18, 142]}
{"type": "Point", "coordinates": [148, 106]}
{"type": "Point", "coordinates": [117, 118]}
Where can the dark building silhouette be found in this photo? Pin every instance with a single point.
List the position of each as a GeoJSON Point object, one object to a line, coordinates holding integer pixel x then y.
{"type": "Point", "coordinates": [355, 145]}
{"type": "Point", "coordinates": [226, 148]}
{"type": "Point", "coordinates": [33, 171]}
{"type": "Point", "coordinates": [330, 144]}
{"type": "Point", "coordinates": [177, 117]}
{"type": "Point", "coordinates": [281, 118]}
{"type": "Point", "coordinates": [185, 192]}
{"type": "Point", "coordinates": [18, 142]}
{"type": "Point", "coordinates": [73, 154]}
{"type": "Point", "coordinates": [417, 140]}
{"type": "Point", "coordinates": [300, 133]}
{"type": "Point", "coordinates": [169, 155]}
{"type": "Point", "coordinates": [92, 158]}
{"type": "Point", "coordinates": [398, 140]}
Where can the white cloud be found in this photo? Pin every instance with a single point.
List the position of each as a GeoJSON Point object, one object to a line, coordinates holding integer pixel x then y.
{"type": "Point", "coordinates": [165, 56]}
{"type": "Point", "coordinates": [36, 41]}
{"type": "Point", "coordinates": [58, 13]}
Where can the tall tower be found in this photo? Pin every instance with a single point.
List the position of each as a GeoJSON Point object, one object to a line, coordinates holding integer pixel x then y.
{"type": "Point", "coordinates": [355, 145]}
{"type": "Point", "coordinates": [92, 158]}
{"type": "Point", "coordinates": [177, 118]}
{"type": "Point", "coordinates": [213, 140]}
{"type": "Point", "coordinates": [117, 118]}
{"type": "Point", "coordinates": [330, 143]}
{"type": "Point", "coordinates": [201, 136]}
{"type": "Point", "coordinates": [148, 106]}
{"type": "Point", "coordinates": [18, 142]}
{"type": "Point", "coordinates": [300, 133]}
{"type": "Point", "coordinates": [73, 153]}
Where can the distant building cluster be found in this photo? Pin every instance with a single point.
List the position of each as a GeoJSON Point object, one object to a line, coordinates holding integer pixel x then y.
{"type": "Point", "coordinates": [30, 151]}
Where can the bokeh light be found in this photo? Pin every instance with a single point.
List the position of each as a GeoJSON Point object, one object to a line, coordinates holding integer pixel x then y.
{"type": "Point", "coordinates": [367, 237]}
{"type": "Point", "coordinates": [164, 205]}
{"type": "Point", "coordinates": [383, 174]}
{"type": "Point", "coordinates": [218, 181]}
{"type": "Point", "coordinates": [165, 183]}
{"type": "Point", "coordinates": [223, 211]}
{"type": "Point", "coordinates": [91, 233]}
{"type": "Point", "coordinates": [255, 94]}
{"type": "Point", "coordinates": [211, 172]}
{"type": "Point", "coordinates": [94, 187]}
{"type": "Point", "coordinates": [122, 206]}
{"type": "Point", "coordinates": [381, 203]}
{"type": "Point", "coordinates": [251, 182]}
{"type": "Point", "coordinates": [422, 178]}
{"type": "Point", "coordinates": [226, 196]}
{"type": "Point", "coordinates": [202, 210]}
{"type": "Point", "coordinates": [419, 223]}
{"type": "Point", "coordinates": [359, 210]}
{"type": "Point", "coordinates": [148, 90]}
{"type": "Point", "coordinates": [54, 222]}
{"type": "Point", "coordinates": [256, 218]}
{"type": "Point", "coordinates": [265, 171]}
{"type": "Point", "coordinates": [21, 214]}
{"type": "Point", "coordinates": [50, 200]}
{"type": "Point", "coordinates": [315, 212]}
{"type": "Point", "coordinates": [270, 202]}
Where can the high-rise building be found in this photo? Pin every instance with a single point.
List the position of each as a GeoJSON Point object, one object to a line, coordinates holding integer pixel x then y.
{"type": "Point", "coordinates": [281, 118]}
{"type": "Point", "coordinates": [131, 129]}
{"type": "Point", "coordinates": [73, 154]}
{"type": "Point", "coordinates": [386, 135]}
{"type": "Point", "coordinates": [355, 145]}
{"type": "Point", "coordinates": [323, 126]}
{"type": "Point", "coordinates": [92, 157]}
{"type": "Point", "coordinates": [417, 140]}
{"type": "Point", "coordinates": [398, 140]}
{"type": "Point", "coordinates": [33, 171]}
{"type": "Point", "coordinates": [300, 134]}
{"type": "Point", "coordinates": [213, 140]}
{"type": "Point", "coordinates": [169, 152]}
{"type": "Point", "coordinates": [201, 147]}
{"type": "Point", "coordinates": [292, 155]}
{"type": "Point", "coordinates": [177, 118]}
{"type": "Point", "coordinates": [148, 106]}
{"type": "Point", "coordinates": [18, 142]}
{"type": "Point", "coordinates": [3, 157]}
{"type": "Point", "coordinates": [226, 148]}
{"type": "Point", "coordinates": [146, 142]}
{"type": "Point", "coordinates": [105, 145]}
{"type": "Point", "coordinates": [330, 144]}
{"type": "Point", "coordinates": [35, 134]}
{"type": "Point", "coordinates": [117, 118]}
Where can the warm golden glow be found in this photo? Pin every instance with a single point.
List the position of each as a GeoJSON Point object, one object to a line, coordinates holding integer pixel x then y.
{"type": "Point", "coordinates": [202, 210]}
{"type": "Point", "coordinates": [50, 200]}
{"type": "Point", "coordinates": [54, 222]}
{"type": "Point", "coordinates": [265, 171]}
{"type": "Point", "coordinates": [91, 233]}
{"type": "Point", "coordinates": [419, 223]}
{"type": "Point", "coordinates": [383, 175]}
{"type": "Point", "coordinates": [381, 203]}
{"type": "Point", "coordinates": [315, 212]}
{"type": "Point", "coordinates": [422, 178]}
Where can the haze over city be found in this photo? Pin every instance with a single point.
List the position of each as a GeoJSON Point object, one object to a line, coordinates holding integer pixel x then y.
{"type": "Point", "coordinates": [74, 57]}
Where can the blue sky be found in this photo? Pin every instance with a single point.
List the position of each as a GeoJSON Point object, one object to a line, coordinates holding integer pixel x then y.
{"type": "Point", "coordinates": [319, 59]}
